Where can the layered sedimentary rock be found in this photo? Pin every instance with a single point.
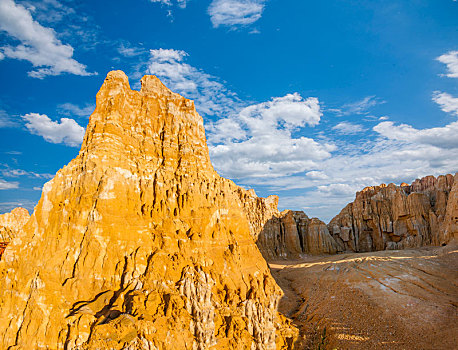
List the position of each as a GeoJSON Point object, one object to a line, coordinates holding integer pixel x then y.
{"type": "Point", "coordinates": [397, 217]}
{"type": "Point", "coordinates": [138, 243]}
{"type": "Point", "coordinates": [288, 234]}
{"type": "Point", "coordinates": [12, 223]}
{"type": "Point", "coordinates": [449, 227]}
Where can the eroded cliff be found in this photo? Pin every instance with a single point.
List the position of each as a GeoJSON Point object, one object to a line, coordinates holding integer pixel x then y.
{"type": "Point", "coordinates": [287, 234]}
{"type": "Point", "coordinates": [398, 217]}
{"type": "Point", "coordinates": [10, 225]}
{"type": "Point", "coordinates": [138, 243]}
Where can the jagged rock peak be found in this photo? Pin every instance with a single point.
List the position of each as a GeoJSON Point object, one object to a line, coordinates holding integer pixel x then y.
{"type": "Point", "coordinates": [138, 243]}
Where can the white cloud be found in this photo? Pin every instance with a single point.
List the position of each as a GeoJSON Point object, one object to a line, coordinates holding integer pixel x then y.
{"type": "Point", "coordinates": [451, 60]}
{"type": "Point", "coordinates": [384, 161]}
{"type": "Point", "coordinates": [67, 131]}
{"type": "Point", "coordinates": [38, 45]}
{"type": "Point", "coordinates": [337, 189]}
{"type": "Point", "coordinates": [347, 128]}
{"type": "Point", "coordinates": [6, 185]}
{"type": "Point", "coordinates": [316, 175]}
{"type": "Point", "coordinates": [72, 109]}
{"type": "Point", "coordinates": [6, 171]}
{"type": "Point", "coordinates": [210, 95]}
{"type": "Point", "coordinates": [441, 137]}
{"type": "Point", "coordinates": [179, 3]}
{"type": "Point", "coordinates": [6, 121]}
{"type": "Point", "coordinates": [128, 51]}
{"type": "Point", "coordinates": [447, 102]}
{"type": "Point", "coordinates": [235, 12]}
{"type": "Point", "coordinates": [358, 107]}
{"type": "Point", "coordinates": [264, 144]}
{"type": "Point", "coordinates": [259, 141]}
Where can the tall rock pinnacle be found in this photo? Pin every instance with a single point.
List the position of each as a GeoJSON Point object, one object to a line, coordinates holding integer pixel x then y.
{"type": "Point", "coordinates": [138, 243]}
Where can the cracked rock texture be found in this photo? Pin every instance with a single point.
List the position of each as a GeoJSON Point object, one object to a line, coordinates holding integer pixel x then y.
{"type": "Point", "coordinates": [138, 243]}
{"type": "Point", "coordinates": [10, 225]}
{"type": "Point", "coordinates": [399, 217]}
{"type": "Point", "coordinates": [288, 234]}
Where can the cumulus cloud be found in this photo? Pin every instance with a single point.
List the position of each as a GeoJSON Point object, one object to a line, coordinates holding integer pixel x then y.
{"type": "Point", "coordinates": [271, 146]}
{"type": "Point", "coordinates": [235, 12]}
{"type": "Point", "coordinates": [67, 131]}
{"type": "Point", "coordinates": [6, 185]}
{"type": "Point", "coordinates": [38, 44]}
{"type": "Point", "coordinates": [348, 128]}
{"type": "Point", "coordinates": [337, 189]}
{"type": "Point", "coordinates": [441, 137]}
{"type": "Point", "coordinates": [451, 60]}
{"type": "Point", "coordinates": [259, 141]}
{"type": "Point", "coordinates": [447, 102]}
{"type": "Point", "coordinates": [316, 175]}
{"type": "Point", "coordinates": [210, 95]}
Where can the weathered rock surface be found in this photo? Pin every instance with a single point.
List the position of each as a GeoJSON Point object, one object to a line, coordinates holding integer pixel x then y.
{"type": "Point", "coordinates": [288, 234]}
{"type": "Point", "coordinates": [138, 243]}
{"type": "Point", "coordinates": [11, 223]}
{"type": "Point", "coordinates": [398, 217]}
{"type": "Point", "coordinates": [450, 225]}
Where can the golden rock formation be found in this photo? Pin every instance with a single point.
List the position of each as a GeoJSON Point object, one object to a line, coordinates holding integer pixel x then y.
{"type": "Point", "coordinates": [138, 243]}
{"type": "Point", "coordinates": [398, 217]}
{"type": "Point", "coordinates": [10, 225]}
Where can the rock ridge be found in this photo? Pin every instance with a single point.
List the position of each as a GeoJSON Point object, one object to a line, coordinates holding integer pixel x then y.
{"type": "Point", "coordinates": [399, 217]}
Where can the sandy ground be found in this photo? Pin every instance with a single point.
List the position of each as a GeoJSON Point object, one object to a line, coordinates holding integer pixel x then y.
{"type": "Point", "coordinates": [382, 300]}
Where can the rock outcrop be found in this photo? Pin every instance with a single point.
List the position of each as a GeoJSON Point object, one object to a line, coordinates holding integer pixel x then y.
{"type": "Point", "coordinates": [398, 217]}
{"type": "Point", "coordinates": [449, 228]}
{"type": "Point", "coordinates": [10, 225]}
{"type": "Point", "coordinates": [286, 235]}
{"type": "Point", "coordinates": [138, 243]}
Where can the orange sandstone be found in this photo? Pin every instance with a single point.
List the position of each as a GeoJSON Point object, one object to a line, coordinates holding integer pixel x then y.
{"type": "Point", "coordinates": [138, 243]}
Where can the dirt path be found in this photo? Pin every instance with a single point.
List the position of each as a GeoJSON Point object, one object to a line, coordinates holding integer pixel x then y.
{"type": "Point", "coordinates": [382, 300]}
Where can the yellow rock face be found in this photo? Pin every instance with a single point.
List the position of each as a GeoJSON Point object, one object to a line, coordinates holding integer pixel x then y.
{"type": "Point", "coordinates": [138, 243]}
{"type": "Point", "coordinates": [12, 223]}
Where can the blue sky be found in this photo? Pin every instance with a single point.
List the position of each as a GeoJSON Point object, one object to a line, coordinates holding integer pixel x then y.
{"type": "Point", "coordinates": [309, 100]}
